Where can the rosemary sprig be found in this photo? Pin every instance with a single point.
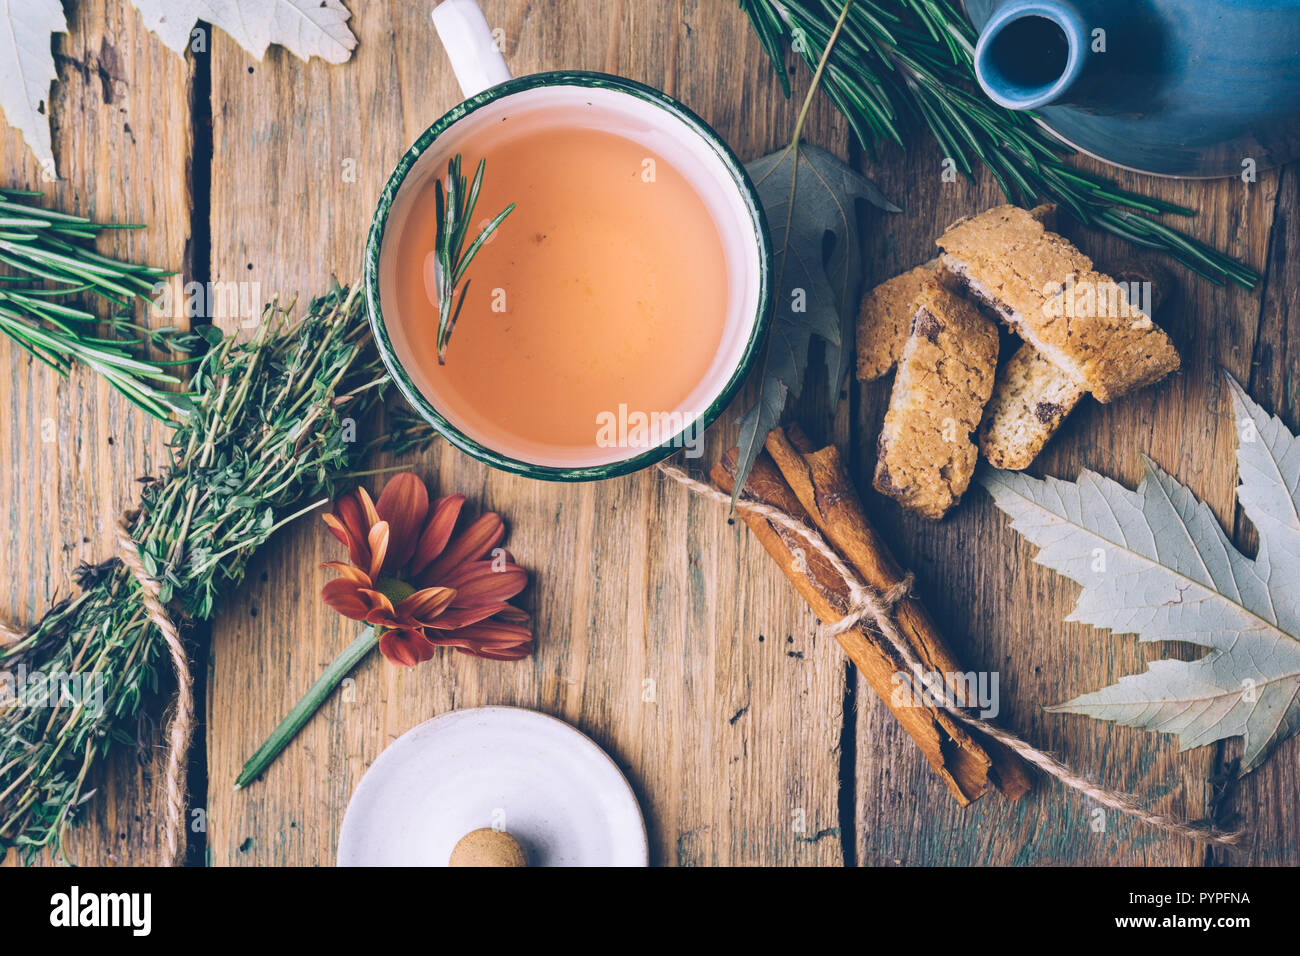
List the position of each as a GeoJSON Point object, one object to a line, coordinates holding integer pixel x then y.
{"type": "Point", "coordinates": [911, 63]}
{"type": "Point", "coordinates": [453, 211]}
{"type": "Point", "coordinates": [270, 430]}
{"type": "Point", "coordinates": [46, 258]}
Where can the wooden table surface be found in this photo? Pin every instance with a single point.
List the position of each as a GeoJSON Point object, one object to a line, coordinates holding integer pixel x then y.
{"type": "Point", "coordinates": [664, 631]}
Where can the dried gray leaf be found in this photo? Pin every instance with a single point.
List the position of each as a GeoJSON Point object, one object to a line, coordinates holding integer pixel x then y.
{"type": "Point", "coordinates": [817, 262]}
{"type": "Point", "coordinates": [27, 70]}
{"type": "Point", "coordinates": [1155, 562]}
{"type": "Point", "coordinates": [306, 28]}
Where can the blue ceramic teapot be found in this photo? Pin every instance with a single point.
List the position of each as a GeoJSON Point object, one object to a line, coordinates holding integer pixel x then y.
{"type": "Point", "coordinates": [1172, 87]}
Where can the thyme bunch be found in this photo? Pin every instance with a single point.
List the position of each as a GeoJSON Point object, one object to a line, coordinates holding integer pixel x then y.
{"type": "Point", "coordinates": [272, 427]}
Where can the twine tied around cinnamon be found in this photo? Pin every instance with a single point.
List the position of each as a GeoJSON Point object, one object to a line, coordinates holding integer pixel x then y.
{"type": "Point", "coordinates": [877, 608]}
{"type": "Point", "coordinates": [866, 604]}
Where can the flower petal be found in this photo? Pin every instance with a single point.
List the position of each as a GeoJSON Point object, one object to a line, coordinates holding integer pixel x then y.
{"type": "Point", "coordinates": [491, 639]}
{"type": "Point", "coordinates": [484, 534]}
{"type": "Point", "coordinates": [405, 646]}
{"type": "Point", "coordinates": [349, 511]}
{"type": "Point", "coordinates": [378, 543]}
{"type": "Point", "coordinates": [513, 615]}
{"type": "Point", "coordinates": [426, 605]}
{"type": "Point", "coordinates": [358, 552]}
{"type": "Point", "coordinates": [381, 609]}
{"type": "Point", "coordinates": [455, 617]}
{"type": "Point", "coordinates": [344, 596]}
{"type": "Point", "coordinates": [336, 528]}
{"type": "Point", "coordinates": [404, 504]}
{"type": "Point", "coordinates": [353, 574]}
{"type": "Point", "coordinates": [493, 654]}
{"type": "Point", "coordinates": [438, 531]}
{"type": "Point", "coordinates": [478, 582]}
{"type": "Point", "coordinates": [367, 507]}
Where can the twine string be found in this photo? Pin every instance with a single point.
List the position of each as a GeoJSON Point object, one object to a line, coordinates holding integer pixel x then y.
{"type": "Point", "coordinates": [10, 635]}
{"type": "Point", "coordinates": [866, 604]}
{"type": "Point", "coordinates": [180, 728]}
{"type": "Point", "coordinates": [171, 789]}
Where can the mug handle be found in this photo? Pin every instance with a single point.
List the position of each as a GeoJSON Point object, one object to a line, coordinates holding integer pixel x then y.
{"type": "Point", "coordinates": [475, 58]}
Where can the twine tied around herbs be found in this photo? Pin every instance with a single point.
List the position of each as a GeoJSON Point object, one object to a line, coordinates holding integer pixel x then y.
{"type": "Point", "coordinates": [867, 605]}
{"type": "Point", "coordinates": [9, 635]}
{"type": "Point", "coordinates": [171, 789]}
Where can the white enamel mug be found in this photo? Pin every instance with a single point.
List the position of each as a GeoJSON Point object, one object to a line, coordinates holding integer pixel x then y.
{"type": "Point", "coordinates": [593, 100]}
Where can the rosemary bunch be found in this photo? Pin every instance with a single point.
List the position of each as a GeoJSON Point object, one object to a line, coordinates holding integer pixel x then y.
{"type": "Point", "coordinates": [46, 258]}
{"type": "Point", "coordinates": [911, 62]}
{"type": "Point", "coordinates": [271, 427]}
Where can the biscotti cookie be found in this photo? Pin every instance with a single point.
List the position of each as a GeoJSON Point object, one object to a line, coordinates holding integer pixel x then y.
{"type": "Point", "coordinates": [945, 377]}
{"type": "Point", "coordinates": [1049, 292]}
{"type": "Point", "coordinates": [884, 320]}
{"type": "Point", "coordinates": [1031, 396]}
{"type": "Point", "coordinates": [1030, 399]}
{"type": "Point", "coordinates": [886, 313]}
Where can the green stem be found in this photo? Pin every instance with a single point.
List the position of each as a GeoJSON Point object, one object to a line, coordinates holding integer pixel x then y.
{"type": "Point", "coordinates": [342, 665]}
{"type": "Point", "coordinates": [817, 74]}
{"type": "Point", "coordinates": [798, 134]}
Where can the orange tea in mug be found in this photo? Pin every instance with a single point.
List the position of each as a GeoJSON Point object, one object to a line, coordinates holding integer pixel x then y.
{"type": "Point", "coordinates": [613, 312]}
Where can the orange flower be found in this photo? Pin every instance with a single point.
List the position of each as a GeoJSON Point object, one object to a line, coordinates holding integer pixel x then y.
{"type": "Point", "coordinates": [420, 584]}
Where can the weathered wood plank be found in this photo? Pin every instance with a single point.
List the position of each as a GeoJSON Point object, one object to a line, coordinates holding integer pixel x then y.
{"type": "Point", "coordinates": [74, 448]}
{"type": "Point", "coordinates": [649, 607]}
{"type": "Point", "coordinates": [1264, 800]}
{"type": "Point", "coordinates": [665, 632]}
{"type": "Point", "coordinates": [1006, 614]}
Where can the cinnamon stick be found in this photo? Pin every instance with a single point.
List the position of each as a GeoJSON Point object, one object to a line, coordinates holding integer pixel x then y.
{"type": "Point", "coordinates": [823, 486]}
{"type": "Point", "coordinates": [965, 765]}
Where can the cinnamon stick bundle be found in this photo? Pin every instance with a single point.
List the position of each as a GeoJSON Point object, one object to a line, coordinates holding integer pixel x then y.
{"type": "Point", "coordinates": [813, 486]}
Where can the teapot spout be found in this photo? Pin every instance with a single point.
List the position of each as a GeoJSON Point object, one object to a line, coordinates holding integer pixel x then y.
{"type": "Point", "coordinates": [1031, 53]}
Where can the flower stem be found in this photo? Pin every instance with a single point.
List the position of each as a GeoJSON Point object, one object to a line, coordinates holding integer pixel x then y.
{"type": "Point", "coordinates": [341, 666]}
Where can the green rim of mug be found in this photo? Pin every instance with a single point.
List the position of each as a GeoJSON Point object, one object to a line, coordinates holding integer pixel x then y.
{"type": "Point", "coordinates": [417, 398]}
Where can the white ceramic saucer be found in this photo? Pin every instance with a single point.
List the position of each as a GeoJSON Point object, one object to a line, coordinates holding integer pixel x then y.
{"type": "Point", "coordinates": [546, 783]}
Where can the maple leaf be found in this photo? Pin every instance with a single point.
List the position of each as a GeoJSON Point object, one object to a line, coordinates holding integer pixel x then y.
{"type": "Point", "coordinates": [1155, 562]}
{"type": "Point", "coordinates": [811, 200]}
{"type": "Point", "coordinates": [27, 71]}
{"type": "Point", "coordinates": [306, 28]}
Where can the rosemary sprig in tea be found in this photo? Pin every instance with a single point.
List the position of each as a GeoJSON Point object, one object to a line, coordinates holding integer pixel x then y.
{"type": "Point", "coordinates": [453, 211]}
{"type": "Point", "coordinates": [910, 63]}
{"type": "Point", "coordinates": [44, 259]}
